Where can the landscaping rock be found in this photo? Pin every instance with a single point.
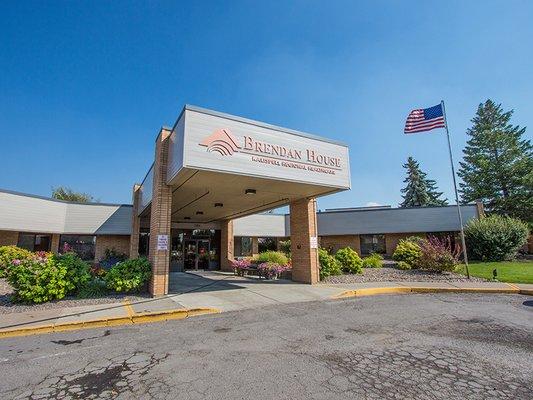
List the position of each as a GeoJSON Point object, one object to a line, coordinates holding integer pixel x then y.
{"type": "Point", "coordinates": [389, 274]}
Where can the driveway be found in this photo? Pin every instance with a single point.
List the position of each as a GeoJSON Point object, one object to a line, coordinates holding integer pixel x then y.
{"type": "Point", "coordinates": [425, 346]}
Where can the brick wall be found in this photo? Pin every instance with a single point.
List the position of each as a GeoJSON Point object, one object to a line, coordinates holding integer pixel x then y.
{"type": "Point", "coordinates": [121, 243]}
{"type": "Point", "coordinates": [392, 239]}
{"type": "Point", "coordinates": [9, 238]}
{"type": "Point", "coordinates": [341, 241]}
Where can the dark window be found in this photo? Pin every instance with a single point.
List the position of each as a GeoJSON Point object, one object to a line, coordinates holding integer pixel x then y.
{"type": "Point", "coordinates": [372, 244]}
{"type": "Point", "coordinates": [242, 246]}
{"type": "Point", "coordinates": [34, 242]}
{"type": "Point", "coordinates": [267, 244]}
{"type": "Point", "coordinates": [83, 245]}
{"type": "Point", "coordinates": [144, 242]}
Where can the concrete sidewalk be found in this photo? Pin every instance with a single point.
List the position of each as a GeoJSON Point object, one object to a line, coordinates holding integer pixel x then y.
{"type": "Point", "coordinates": [208, 292]}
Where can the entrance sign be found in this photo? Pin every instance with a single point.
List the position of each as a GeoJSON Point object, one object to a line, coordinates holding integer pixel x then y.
{"type": "Point", "coordinates": [208, 140]}
{"type": "Point", "coordinates": [313, 241]}
{"type": "Point", "coordinates": [162, 242]}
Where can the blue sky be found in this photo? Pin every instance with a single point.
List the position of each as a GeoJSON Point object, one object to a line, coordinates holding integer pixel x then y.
{"type": "Point", "coordinates": [84, 86]}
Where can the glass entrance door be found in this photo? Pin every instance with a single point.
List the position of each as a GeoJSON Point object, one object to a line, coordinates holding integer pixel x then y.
{"type": "Point", "coordinates": [196, 253]}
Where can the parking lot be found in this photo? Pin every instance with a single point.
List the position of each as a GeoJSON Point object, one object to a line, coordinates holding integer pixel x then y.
{"type": "Point", "coordinates": [427, 346]}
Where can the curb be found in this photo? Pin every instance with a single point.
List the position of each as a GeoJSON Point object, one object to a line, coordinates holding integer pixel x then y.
{"type": "Point", "coordinates": [414, 289]}
{"type": "Point", "coordinates": [140, 318]}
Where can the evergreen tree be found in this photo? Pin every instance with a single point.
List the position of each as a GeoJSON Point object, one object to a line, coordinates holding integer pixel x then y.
{"type": "Point", "coordinates": [498, 164]}
{"type": "Point", "coordinates": [419, 191]}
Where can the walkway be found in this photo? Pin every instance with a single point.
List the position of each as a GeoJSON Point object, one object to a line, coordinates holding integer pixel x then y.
{"type": "Point", "coordinates": [208, 292]}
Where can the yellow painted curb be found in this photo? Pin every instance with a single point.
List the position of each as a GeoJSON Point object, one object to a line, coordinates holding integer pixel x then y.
{"type": "Point", "coordinates": [106, 322]}
{"type": "Point", "coordinates": [422, 289]}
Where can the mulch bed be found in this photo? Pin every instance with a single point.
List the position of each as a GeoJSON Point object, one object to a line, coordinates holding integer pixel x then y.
{"type": "Point", "coordinates": [390, 274]}
{"type": "Point", "coordinates": [8, 307]}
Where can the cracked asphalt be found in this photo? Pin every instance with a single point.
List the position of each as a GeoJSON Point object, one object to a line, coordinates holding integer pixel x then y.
{"type": "Point", "coordinates": [425, 346]}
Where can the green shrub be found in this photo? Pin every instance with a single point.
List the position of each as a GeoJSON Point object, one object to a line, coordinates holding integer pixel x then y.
{"type": "Point", "coordinates": [403, 265]}
{"type": "Point", "coordinates": [495, 238]}
{"type": "Point", "coordinates": [407, 251]}
{"type": "Point", "coordinates": [128, 276]}
{"type": "Point", "coordinates": [374, 260]}
{"type": "Point", "coordinates": [328, 264]}
{"type": "Point", "coordinates": [276, 257]}
{"type": "Point", "coordinates": [96, 287]}
{"type": "Point", "coordinates": [438, 255]}
{"type": "Point", "coordinates": [350, 260]}
{"type": "Point", "coordinates": [78, 271]}
{"type": "Point", "coordinates": [38, 279]}
{"type": "Point", "coordinates": [10, 253]}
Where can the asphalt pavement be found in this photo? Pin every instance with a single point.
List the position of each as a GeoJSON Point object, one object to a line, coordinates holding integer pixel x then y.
{"type": "Point", "coordinates": [424, 346]}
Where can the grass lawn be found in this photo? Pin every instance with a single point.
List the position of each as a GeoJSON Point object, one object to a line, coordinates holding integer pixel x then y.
{"type": "Point", "coordinates": [508, 271]}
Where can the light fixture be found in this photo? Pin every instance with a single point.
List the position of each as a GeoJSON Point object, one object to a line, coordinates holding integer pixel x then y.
{"type": "Point", "coordinates": [219, 205]}
{"type": "Point", "coordinates": [250, 191]}
{"type": "Point", "coordinates": [186, 217]}
{"type": "Point", "coordinates": [199, 213]}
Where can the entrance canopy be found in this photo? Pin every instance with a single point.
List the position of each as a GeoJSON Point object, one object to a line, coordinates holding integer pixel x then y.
{"type": "Point", "coordinates": [223, 167]}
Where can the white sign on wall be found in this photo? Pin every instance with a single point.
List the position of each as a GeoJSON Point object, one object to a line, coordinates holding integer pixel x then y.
{"type": "Point", "coordinates": [313, 241]}
{"type": "Point", "coordinates": [162, 242]}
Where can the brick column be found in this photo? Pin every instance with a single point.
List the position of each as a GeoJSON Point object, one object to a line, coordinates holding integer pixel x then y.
{"type": "Point", "coordinates": [160, 217]}
{"type": "Point", "coordinates": [135, 222]}
{"type": "Point", "coordinates": [303, 227]}
{"type": "Point", "coordinates": [226, 245]}
{"type": "Point", "coordinates": [54, 246]}
{"type": "Point", "coordinates": [255, 246]}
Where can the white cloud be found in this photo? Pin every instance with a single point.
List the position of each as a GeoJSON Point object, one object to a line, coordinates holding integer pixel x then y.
{"type": "Point", "coordinates": [372, 204]}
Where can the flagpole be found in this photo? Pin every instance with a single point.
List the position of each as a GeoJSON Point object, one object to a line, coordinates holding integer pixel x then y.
{"type": "Point", "coordinates": [463, 243]}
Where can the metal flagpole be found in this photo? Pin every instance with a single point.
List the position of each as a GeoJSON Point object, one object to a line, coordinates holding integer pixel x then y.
{"type": "Point", "coordinates": [455, 188]}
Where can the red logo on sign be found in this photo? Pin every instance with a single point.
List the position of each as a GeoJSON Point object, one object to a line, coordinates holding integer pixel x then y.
{"type": "Point", "coordinates": [221, 141]}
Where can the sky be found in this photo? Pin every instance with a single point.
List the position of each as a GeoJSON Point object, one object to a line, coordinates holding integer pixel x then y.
{"type": "Point", "coordinates": [86, 85]}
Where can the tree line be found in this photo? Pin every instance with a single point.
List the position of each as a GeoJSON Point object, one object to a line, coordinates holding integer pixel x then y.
{"type": "Point", "coordinates": [497, 168]}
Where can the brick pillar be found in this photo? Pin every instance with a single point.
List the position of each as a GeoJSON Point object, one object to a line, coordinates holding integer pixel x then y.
{"type": "Point", "coordinates": [135, 222]}
{"type": "Point", "coordinates": [160, 217]}
{"type": "Point", "coordinates": [226, 245]}
{"type": "Point", "coordinates": [54, 246]}
{"type": "Point", "coordinates": [255, 246]}
{"type": "Point", "coordinates": [303, 227]}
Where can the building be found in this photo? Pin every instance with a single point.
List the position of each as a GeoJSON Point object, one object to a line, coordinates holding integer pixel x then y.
{"type": "Point", "coordinates": [202, 203]}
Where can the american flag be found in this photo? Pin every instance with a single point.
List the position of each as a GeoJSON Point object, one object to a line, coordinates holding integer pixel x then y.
{"type": "Point", "coordinates": [421, 120]}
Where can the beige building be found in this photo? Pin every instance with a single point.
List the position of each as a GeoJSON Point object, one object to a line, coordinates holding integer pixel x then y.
{"type": "Point", "coordinates": [204, 200]}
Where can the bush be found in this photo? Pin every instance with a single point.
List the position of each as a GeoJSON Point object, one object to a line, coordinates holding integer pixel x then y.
{"type": "Point", "coordinates": [270, 270]}
{"type": "Point", "coordinates": [407, 251]}
{"type": "Point", "coordinates": [495, 238]}
{"type": "Point", "coordinates": [374, 260]}
{"type": "Point", "coordinates": [403, 265]}
{"type": "Point", "coordinates": [328, 264]}
{"type": "Point", "coordinates": [112, 257]}
{"type": "Point", "coordinates": [78, 271]}
{"type": "Point", "coordinates": [350, 260]}
{"type": "Point", "coordinates": [39, 278]}
{"type": "Point", "coordinates": [276, 257]}
{"type": "Point", "coordinates": [96, 287]}
{"type": "Point", "coordinates": [128, 276]}
{"type": "Point", "coordinates": [438, 255]}
{"type": "Point", "coordinates": [10, 253]}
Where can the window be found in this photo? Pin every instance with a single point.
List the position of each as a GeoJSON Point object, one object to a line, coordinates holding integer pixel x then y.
{"type": "Point", "coordinates": [267, 244]}
{"type": "Point", "coordinates": [372, 244]}
{"type": "Point", "coordinates": [83, 245]}
{"type": "Point", "coordinates": [34, 242]}
{"type": "Point", "coordinates": [242, 246]}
